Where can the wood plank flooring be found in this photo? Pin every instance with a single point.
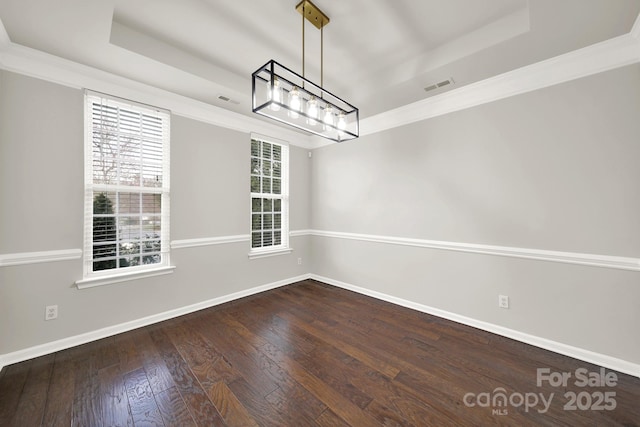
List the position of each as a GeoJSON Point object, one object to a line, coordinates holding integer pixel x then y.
{"type": "Point", "coordinates": [308, 354]}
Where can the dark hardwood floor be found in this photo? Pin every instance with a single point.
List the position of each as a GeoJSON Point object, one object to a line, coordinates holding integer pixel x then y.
{"type": "Point", "coordinates": [310, 354]}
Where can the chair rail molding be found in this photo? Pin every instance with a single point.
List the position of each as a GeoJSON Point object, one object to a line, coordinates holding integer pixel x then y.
{"type": "Point", "coordinates": [23, 258]}
{"type": "Point", "coordinates": [607, 261]}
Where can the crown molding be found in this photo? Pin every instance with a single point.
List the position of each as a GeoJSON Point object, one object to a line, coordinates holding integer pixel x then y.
{"type": "Point", "coordinates": [604, 56]}
{"type": "Point", "coordinates": [34, 63]}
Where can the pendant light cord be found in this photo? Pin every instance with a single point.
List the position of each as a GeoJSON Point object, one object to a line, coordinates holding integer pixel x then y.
{"type": "Point", "coordinates": [322, 58]}
{"type": "Point", "coordinates": [321, 52]}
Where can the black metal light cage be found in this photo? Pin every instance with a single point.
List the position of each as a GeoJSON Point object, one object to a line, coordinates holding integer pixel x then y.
{"type": "Point", "coordinates": [336, 119]}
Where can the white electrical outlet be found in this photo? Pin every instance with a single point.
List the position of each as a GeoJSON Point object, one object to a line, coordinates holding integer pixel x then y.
{"type": "Point", "coordinates": [299, 261]}
{"type": "Point", "coordinates": [503, 301]}
{"type": "Point", "coordinates": [51, 312]}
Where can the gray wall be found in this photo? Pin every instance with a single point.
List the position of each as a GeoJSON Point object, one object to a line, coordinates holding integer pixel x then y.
{"type": "Point", "coordinates": [41, 207]}
{"type": "Point", "coordinates": [556, 169]}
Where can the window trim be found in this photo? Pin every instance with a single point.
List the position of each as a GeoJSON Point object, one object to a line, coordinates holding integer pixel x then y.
{"type": "Point", "coordinates": [109, 279]}
{"type": "Point", "coordinates": [283, 248]}
{"type": "Point", "coordinates": [91, 278]}
{"type": "Point", "coordinates": [268, 253]}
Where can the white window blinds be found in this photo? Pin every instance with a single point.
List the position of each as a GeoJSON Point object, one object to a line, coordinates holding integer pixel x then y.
{"type": "Point", "coordinates": [126, 185]}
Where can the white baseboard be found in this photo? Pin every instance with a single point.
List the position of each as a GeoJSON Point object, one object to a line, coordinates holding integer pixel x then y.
{"type": "Point", "coordinates": [52, 347]}
{"type": "Point", "coordinates": [557, 347]}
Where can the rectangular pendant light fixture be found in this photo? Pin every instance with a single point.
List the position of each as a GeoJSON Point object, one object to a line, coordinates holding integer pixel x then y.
{"type": "Point", "coordinates": [283, 95]}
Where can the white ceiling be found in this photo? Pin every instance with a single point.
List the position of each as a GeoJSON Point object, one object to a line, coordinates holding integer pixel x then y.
{"type": "Point", "coordinates": [378, 54]}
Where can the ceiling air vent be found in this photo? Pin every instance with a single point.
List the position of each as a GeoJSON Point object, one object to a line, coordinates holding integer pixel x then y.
{"type": "Point", "coordinates": [227, 99]}
{"type": "Point", "coordinates": [438, 85]}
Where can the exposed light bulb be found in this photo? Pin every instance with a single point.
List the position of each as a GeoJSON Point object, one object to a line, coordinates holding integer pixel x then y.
{"type": "Point", "coordinates": [276, 95]}
{"type": "Point", "coordinates": [328, 116]}
{"type": "Point", "coordinates": [312, 110]}
{"type": "Point", "coordinates": [342, 122]}
{"type": "Point", "coordinates": [294, 102]}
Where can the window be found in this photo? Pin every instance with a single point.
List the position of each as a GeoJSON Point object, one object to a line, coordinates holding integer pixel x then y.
{"type": "Point", "coordinates": [126, 223]}
{"type": "Point", "coordinates": [269, 197]}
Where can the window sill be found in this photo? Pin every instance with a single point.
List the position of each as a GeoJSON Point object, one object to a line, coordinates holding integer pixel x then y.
{"type": "Point", "coordinates": [122, 277]}
{"type": "Point", "coordinates": [256, 255]}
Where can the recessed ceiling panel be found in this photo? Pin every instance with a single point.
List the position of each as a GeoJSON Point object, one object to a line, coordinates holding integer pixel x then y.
{"type": "Point", "coordinates": [378, 54]}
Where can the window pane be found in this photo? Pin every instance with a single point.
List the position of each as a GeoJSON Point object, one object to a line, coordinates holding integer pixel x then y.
{"type": "Point", "coordinates": [256, 222]}
{"type": "Point", "coordinates": [256, 240]}
{"type": "Point", "coordinates": [276, 186]}
{"type": "Point", "coordinates": [104, 250]}
{"type": "Point", "coordinates": [151, 259]}
{"type": "Point", "coordinates": [105, 149]}
{"type": "Point", "coordinates": [129, 261]}
{"type": "Point", "coordinates": [277, 152]}
{"type": "Point", "coordinates": [150, 245]}
{"type": "Point", "coordinates": [129, 173]}
{"type": "Point", "coordinates": [268, 221]}
{"type": "Point", "coordinates": [129, 121]}
{"type": "Point", "coordinates": [129, 228]}
{"type": "Point", "coordinates": [104, 265]}
{"type": "Point", "coordinates": [277, 205]}
{"type": "Point", "coordinates": [277, 169]}
{"type": "Point", "coordinates": [277, 238]}
{"type": "Point", "coordinates": [255, 184]}
{"type": "Point", "coordinates": [267, 238]}
{"type": "Point", "coordinates": [130, 248]}
{"type": "Point", "coordinates": [151, 226]}
{"type": "Point", "coordinates": [266, 150]}
{"type": "Point", "coordinates": [129, 203]}
{"type": "Point", "coordinates": [151, 252]}
{"type": "Point", "coordinates": [152, 175]}
{"type": "Point", "coordinates": [151, 203]}
{"type": "Point", "coordinates": [255, 166]}
{"type": "Point", "coordinates": [104, 220]}
{"type": "Point", "coordinates": [103, 203]}
{"type": "Point", "coordinates": [256, 205]}
{"type": "Point", "coordinates": [104, 229]}
{"type": "Point", "coordinates": [266, 168]}
{"type": "Point", "coordinates": [277, 221]}
{"type": "Point", "coordinates": [266, 185]}
{"type": "Point", "coordinates": [255, 148]}
{"type": "Point", "coordinates": [129, 146]}
{"type": "Point", "coordinates": [268, 205]}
